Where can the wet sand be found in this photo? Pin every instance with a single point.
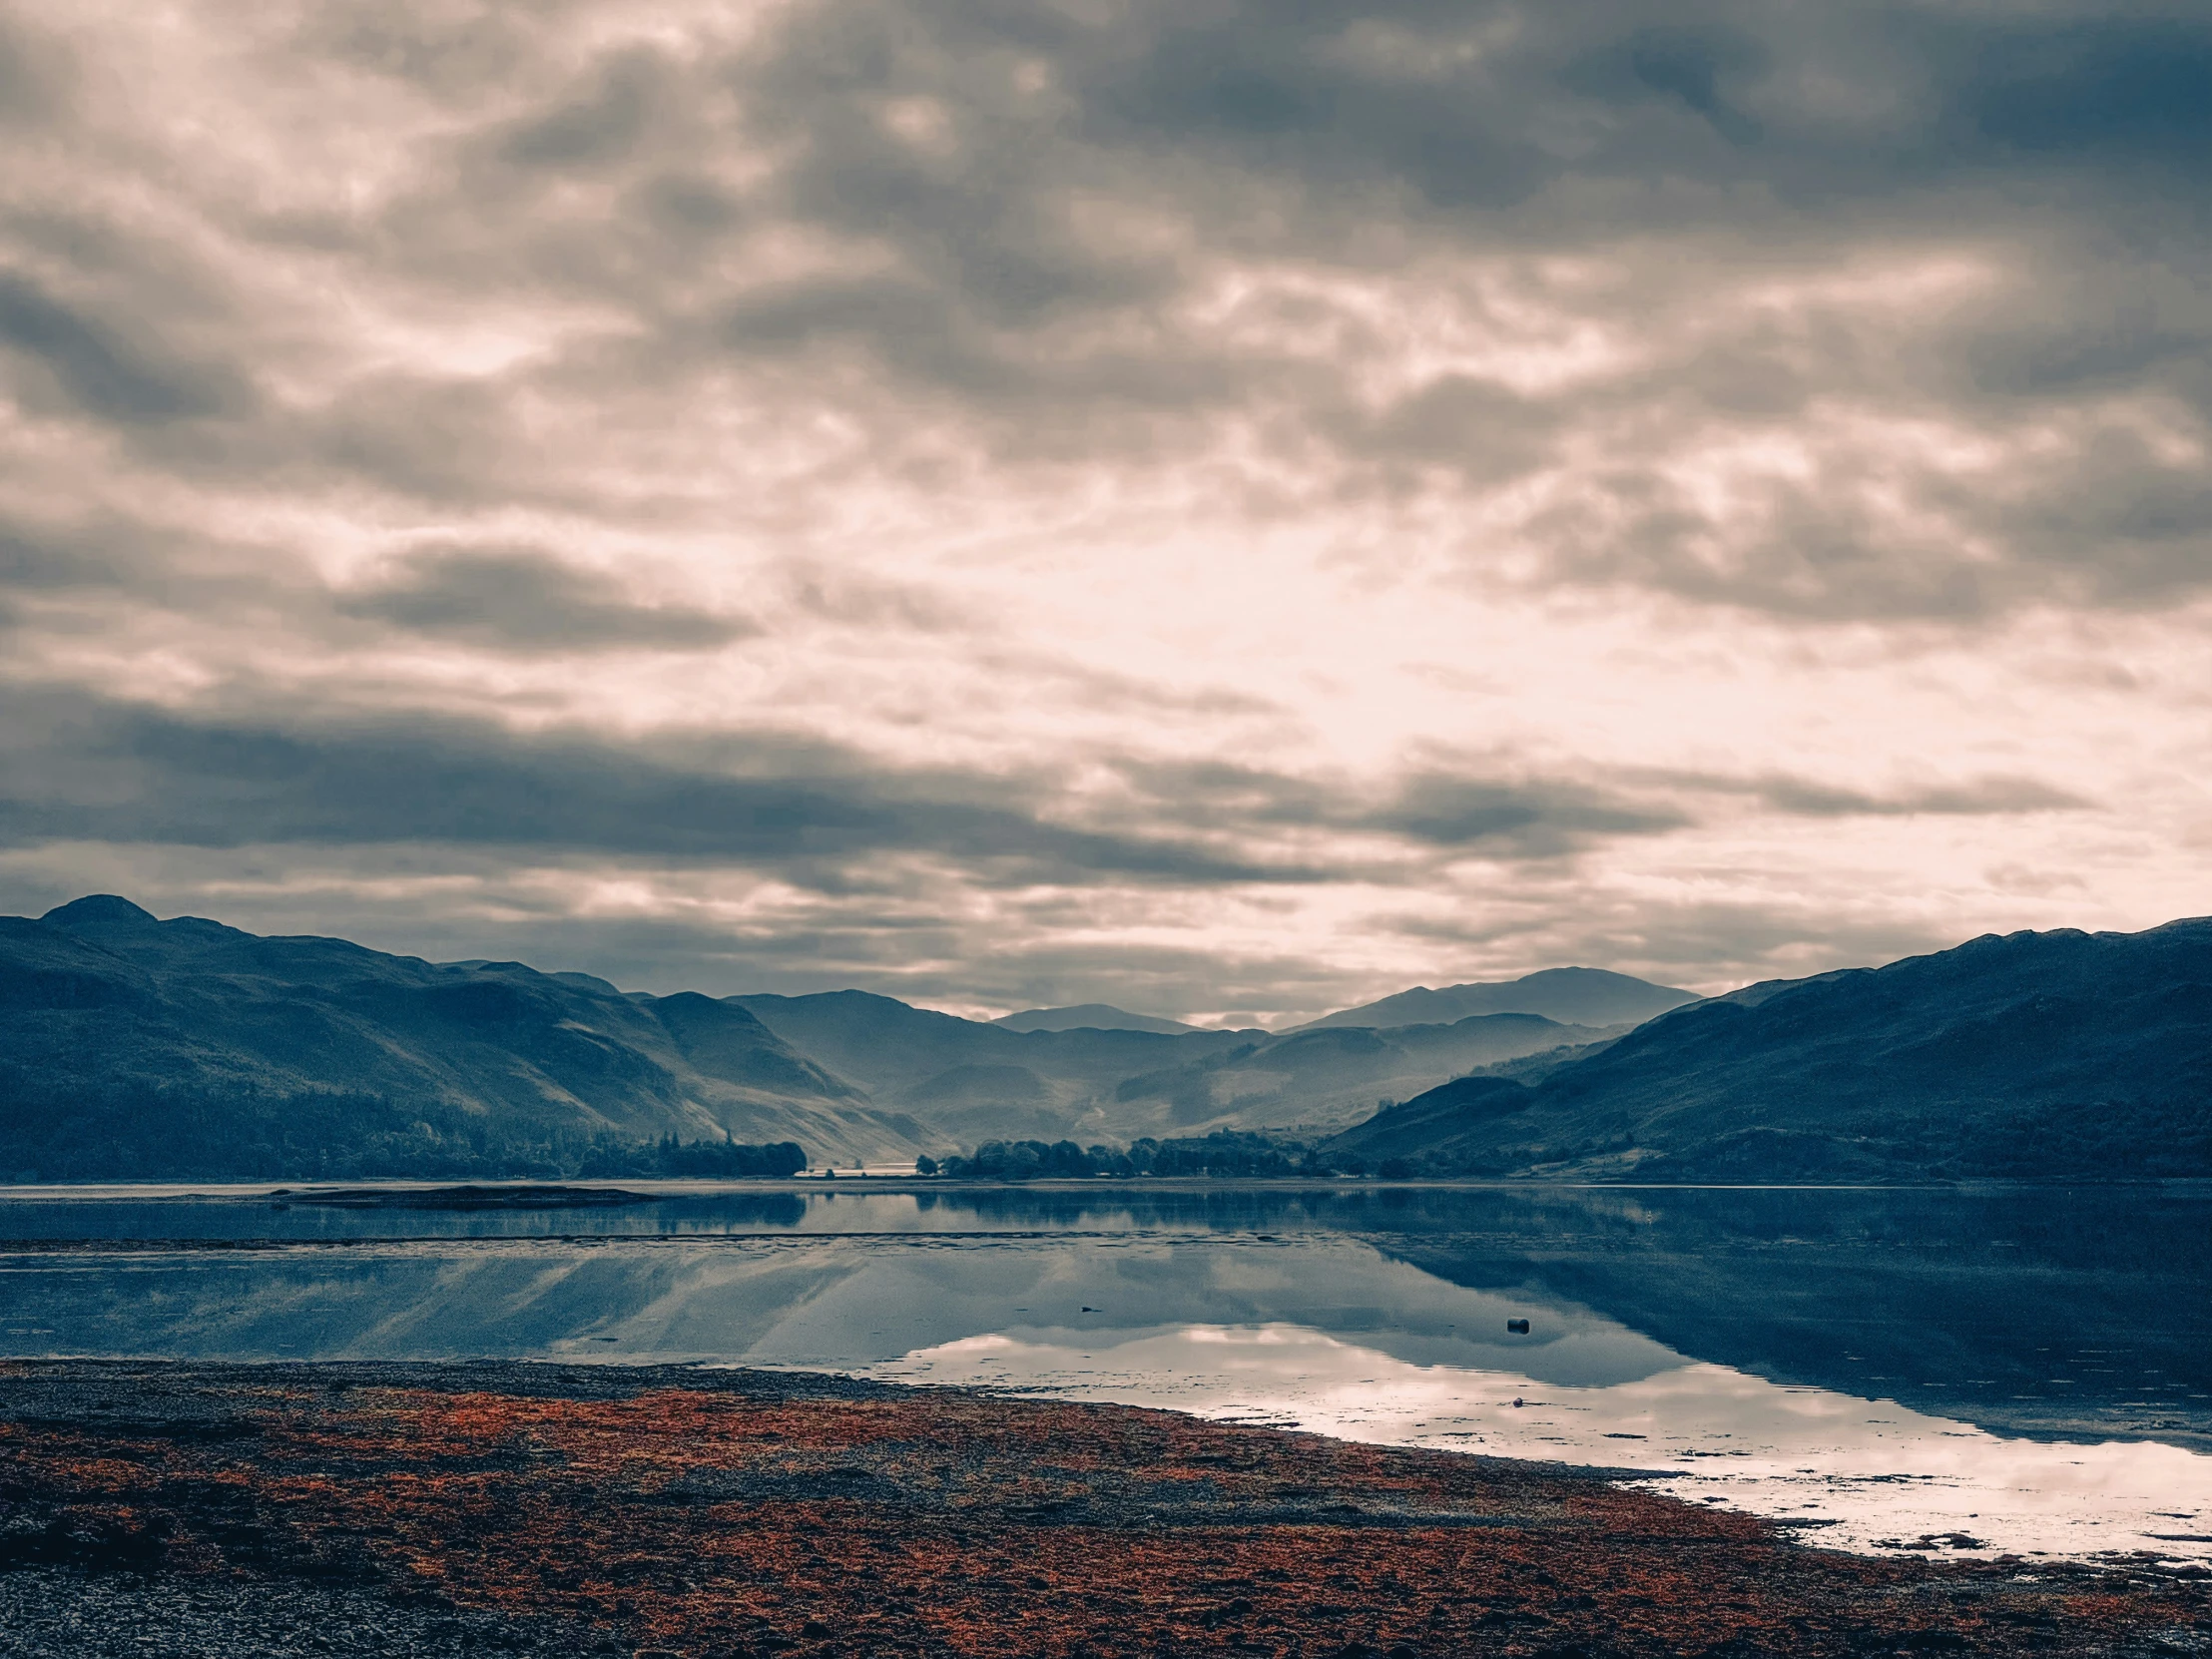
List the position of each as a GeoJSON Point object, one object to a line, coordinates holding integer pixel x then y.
{"type": "Point", "coordinates": [352, 1508]}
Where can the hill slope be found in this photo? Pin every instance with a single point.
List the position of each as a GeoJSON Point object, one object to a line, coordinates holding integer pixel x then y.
{"type": "Point", "coordinates": [130, 1046]}
{"type": "Point", "coordinates": [1321, 1078]}
{"type": "Point", "coordinates": [2060, 1054]}
{"type": "Point", "coordinates": [1570, 995]}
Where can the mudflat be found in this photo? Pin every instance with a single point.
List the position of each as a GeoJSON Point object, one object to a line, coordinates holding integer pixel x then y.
{"type": "Point", "coordinates": [514, 1507]}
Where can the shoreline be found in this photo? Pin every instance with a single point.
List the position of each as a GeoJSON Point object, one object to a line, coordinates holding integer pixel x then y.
{"type": "Point", "coordinates": [529, 1507]}
{"type": "Point", "coordinates": [293, 1188]}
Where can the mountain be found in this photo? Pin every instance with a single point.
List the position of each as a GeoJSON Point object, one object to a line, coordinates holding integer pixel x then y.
{"type": "Point", "coordinates": [136, 1047]}
{"type": "Point", "coordinates": [2041, 1055]}
{"type": "Point", "coordinates": [1094, 1016]}
{"type": "Point", "coordinates": [1321, 1078]}
{"type": "Point", "coordinates": [977, 1081]}
{"type": "Point", "coordinates": [1570, 995]}
{"type": "Point", "coordinates": [131, 1047]}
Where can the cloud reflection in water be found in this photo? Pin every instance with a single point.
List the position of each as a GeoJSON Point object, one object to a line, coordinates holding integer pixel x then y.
{"type": "Point", "coordinates": [1861, 1474]}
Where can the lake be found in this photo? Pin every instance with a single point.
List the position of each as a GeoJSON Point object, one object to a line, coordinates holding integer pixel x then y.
{"type": "Point", "coordinates": [1980, 1372]}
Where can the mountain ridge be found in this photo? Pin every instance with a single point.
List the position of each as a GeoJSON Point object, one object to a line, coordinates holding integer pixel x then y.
{"type": "Point", "coordinates": [1093, 1085]}
{"type": "Point", "coordinates": [1095, 1016]}
{"type": "Point", "coordinates": [133, 1046]}
{"type": "Point", "coordinates": [2032, 1054]}
{"type": "Point", "coordinates": [1570, 995]}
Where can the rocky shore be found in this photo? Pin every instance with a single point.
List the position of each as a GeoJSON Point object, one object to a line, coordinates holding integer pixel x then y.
{"type": "Point", "coordinates": [528, 1509]}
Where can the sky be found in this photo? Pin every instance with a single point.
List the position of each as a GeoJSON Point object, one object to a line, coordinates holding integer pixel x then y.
{"type": "Point", "coordinates": [1230, 509]}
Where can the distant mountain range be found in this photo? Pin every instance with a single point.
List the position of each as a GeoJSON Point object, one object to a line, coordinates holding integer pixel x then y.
{"type": "Point", "coordinates": [132, 1048]}
{"type": "Point", "coordinates": [1570, 995]}
{"type": "Point", "coordinates": [1091, 1016]}
{"type": "Point", "coordinates": [2034, 1054]}
{"type": "Point", "coordinates": [975, 1081]}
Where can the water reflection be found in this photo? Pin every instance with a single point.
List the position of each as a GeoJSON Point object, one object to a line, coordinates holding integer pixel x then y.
{"type": "Point", "coordinates": [1857, 1474]}
{"type": "Point", "coordinates": [1788, 1347]}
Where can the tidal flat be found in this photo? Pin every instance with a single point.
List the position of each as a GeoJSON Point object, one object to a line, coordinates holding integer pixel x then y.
{"type": "Point", "coordinates": [535, 1509]}
{"type": "Point", "coordinates": [1998, 1371]}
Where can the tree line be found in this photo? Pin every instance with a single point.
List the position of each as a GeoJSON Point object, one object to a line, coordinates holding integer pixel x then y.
{"type": "Point", "coordinates": [180, 1132]}
{"type": "Point", "coordinates": [1226, 1153]}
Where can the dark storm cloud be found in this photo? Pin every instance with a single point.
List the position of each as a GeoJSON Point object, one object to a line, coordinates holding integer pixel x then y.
{"type": "Point", "coordinates": [1440, 812]}
{"type": "Point", "coordinates": [1976, 798]}
{"type": "Point", "coordinates": [1455, 811]}
{"type": "Point", "coordinates": [1025, 208]}
{"type": "Point", "coordinates": [101, 370]}
{"type": "Point", "coordinates": [521, 599]}
{"type": "Point", "coordinates": [1692, 942]}
{"type": "Point", "coordinates": [85, 768]}
{"type": "Point", "coordinates": [896, 320]}
{"type": "Point", "coordinates": [2109, 87]}
{"type": "Point", "coordinates": [1494, 808]}
{"type": "Point", "coordinates": [1478, 131]}
{"type": "Point", "coordinates": [37, 559]}
{"type": "Point", "coordinates": [81, 769]}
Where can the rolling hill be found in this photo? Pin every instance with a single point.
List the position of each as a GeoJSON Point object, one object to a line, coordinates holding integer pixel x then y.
{"type": "Point", "coordinates": [2049, 1055]}
{"type": "Point", "coordinates": [136, 1047]}
{"type": "Point", "coordinates": [1318, 1078]}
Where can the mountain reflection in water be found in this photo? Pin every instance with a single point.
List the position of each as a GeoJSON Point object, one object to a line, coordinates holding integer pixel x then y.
{"type": "Point", "coordinates": [1879, 1364]}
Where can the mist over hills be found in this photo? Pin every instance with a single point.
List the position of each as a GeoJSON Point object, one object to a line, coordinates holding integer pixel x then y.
{"type": "Point", "coordinates": [979, 1081]}
{"type": "Point", "coordinates": [132, 1048]}
{"type": "Point", "coordinates": [2034, 1054]}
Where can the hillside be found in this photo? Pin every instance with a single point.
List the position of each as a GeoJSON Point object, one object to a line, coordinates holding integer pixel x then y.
{"type": "Point", "coordinates": [2044, 1055]}
{"type": "Point", "coordinates": [1570, 995]}
{"type": "Point", "coordinates": [1321, 1078]}
{"type": "Point", "coordinates": [136, 1047]}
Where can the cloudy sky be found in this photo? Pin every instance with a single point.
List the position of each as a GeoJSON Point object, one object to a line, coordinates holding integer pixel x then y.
{"type": "Point", "coordinates": [1227, 509]}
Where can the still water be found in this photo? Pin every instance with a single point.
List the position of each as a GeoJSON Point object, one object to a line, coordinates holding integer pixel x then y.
{"type": "Point", "coordinates": [2020, 1370]}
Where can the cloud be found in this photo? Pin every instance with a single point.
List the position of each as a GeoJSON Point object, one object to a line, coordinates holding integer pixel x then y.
{"type": "Point", "coordinates": [1452, 811]}
{"type": "Point", "coordinates": [803, 808]}
{"type": "Point", "coordinates": [101, 371]}
{"type": "Point", "coordinates": [1145, 486]}
{"type": "Point", "coordinates": [1795, 795]}
{"type": "Point", "coordinates": [1974, 798]}
{"type": "Point", "coordinates": [1476, 808]}
{"type": "Point", "coordinates": [2116, 87]}
{"type": "Point", "coordinates": [1745, 456]}
{"type": "Point", "coordinates": [1757, 243]}
{"type": "Point", "coordinates": [521, 599]}
{"type": "Point", "coordinates": [798, 806]}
